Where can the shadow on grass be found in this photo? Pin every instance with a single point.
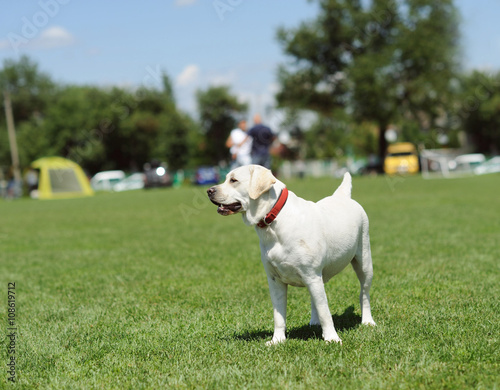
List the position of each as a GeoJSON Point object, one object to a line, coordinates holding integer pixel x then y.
{"type": "Point", "coordinates": [345, 321]}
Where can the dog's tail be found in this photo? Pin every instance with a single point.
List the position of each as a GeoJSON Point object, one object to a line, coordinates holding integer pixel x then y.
{"type": "Point", "coordinates": [346, 186]}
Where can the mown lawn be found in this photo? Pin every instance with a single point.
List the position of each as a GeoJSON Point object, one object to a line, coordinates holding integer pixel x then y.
{"type": "Point", "coordinates": [153, 289]}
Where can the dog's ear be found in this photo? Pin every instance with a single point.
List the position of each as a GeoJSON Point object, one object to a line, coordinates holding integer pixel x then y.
{"type": "Point", "coordinates": [261, 181]}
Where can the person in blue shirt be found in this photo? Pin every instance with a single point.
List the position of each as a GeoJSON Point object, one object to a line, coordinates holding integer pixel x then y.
{"type": "Point", "coordinates": [262, 139]}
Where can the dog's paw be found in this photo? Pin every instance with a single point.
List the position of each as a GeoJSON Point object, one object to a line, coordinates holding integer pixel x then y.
{"type": "Point", "coordinates": [369, 322]}
{"type": "Point", "coordinates": [275, 341]}
{"type": "Point", "coordinates": [334, 340]}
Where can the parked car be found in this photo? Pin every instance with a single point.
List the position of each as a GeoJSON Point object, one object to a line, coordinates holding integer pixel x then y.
{"type": "Point", "coordinates": [467, 162]}
{"type": "Point", "coordinates": [104, 181]}
{"type": "Point", "coordinates": [401, 158]}
{"type": "Point", "coordinates": [156, 175]}
{"type": "Point", "coordinates": [206, 176]}
{"type": "Point", "coordinates": [373, 166]}
{"type": "Point", "coordinates": [132, 182]}
{"type": "Point", "coordinates": [490, 166]}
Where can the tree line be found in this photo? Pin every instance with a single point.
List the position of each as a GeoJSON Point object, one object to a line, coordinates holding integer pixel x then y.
{"type": "Point", "coordinates": [360, 67]}
{"type": "Point", "coordinates": [388, 64]}
{"type": "Point", "coordinates": [112, 128]}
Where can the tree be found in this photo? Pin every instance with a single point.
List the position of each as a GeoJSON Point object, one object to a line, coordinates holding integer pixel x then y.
{"type": "Point", "coordinates": [149, 126]}
{"type": "Point", "coordinates": [71, 125]}
{"type": "Point", "coordinates": [380, 61]}
{"type": "Point", "coordinates": [219, 112]}
{"type": "Point", "coordinates": [172, 142]}
{"type": "Point", "coordinates": [30, 88]}
{"type": "Point", "coordinates": [100, 128]}
{"type": "Point", "coordinates": [178, 129]}
{"type": "Point", "coordinates": [30, 92]}
{"type": "Point", "coordinates": [480, 110]}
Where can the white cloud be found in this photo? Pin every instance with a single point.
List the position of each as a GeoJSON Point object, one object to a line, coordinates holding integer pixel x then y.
{"type": "Point", "coordinates": [260, 98]}
{"type": "Point", "coordinates": [53, 37]}
{"type": "Point", "coordinates": [48, 38]}
{"type": "Point", "coordinates": [188, 76]}
{"type": "Point", "coordinates": [274, 88]}
{"type": "Point", "coordinates": [222, 79]}
{"type": "Point", "coordinates": [184, 3]}
{"type": "Point", "coordinates": [4, 44]}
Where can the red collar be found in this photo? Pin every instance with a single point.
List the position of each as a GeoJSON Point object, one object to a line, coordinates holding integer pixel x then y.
{"type": "Point", "coordinates": [271, 216]}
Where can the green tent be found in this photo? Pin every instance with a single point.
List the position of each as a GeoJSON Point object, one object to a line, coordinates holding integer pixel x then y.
{"type": "Point", "coordinates": [61, 178]}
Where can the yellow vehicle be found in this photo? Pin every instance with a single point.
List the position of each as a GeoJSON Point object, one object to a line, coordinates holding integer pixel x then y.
{"type": "Point", "coordinates": [401, 158]}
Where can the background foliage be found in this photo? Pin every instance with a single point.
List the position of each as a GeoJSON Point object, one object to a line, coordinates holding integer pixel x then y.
{"type": "Point", "coordinates": [360, 67]}
{"type": "Point", "coordinates": [383, 62]}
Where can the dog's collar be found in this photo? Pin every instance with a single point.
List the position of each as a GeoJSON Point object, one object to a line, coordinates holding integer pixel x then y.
{"type": "Point", "coordinates": [271, 216]}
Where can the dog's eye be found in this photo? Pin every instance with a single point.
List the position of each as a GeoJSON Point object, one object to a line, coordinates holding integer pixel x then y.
{"type": "Point", "coordinates": [233, 180]}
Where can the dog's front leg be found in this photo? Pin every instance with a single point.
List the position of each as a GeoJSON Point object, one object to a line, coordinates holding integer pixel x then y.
{"type": "Point", "coordinates": [278, 292]}
{"type": "Point", "coordinates": [314, 315]}
{"type": "Point", "coordinates": [319, 301]}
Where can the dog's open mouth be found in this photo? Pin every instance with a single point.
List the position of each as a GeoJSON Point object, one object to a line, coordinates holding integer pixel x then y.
{"type": "Point", "coordinates": [227, 209]}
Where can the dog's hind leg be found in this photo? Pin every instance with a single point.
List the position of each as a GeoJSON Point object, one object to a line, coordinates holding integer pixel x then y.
{"type": "Point", "coordinates": [362, 264]}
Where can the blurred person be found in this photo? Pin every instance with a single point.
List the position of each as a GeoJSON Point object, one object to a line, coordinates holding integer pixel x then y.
{"type": "Point", "coordinates": [240, 145]}
{"type": "Point", "coordinates": [14, 187]}
{"type": "Point", "coordinates": [31, 179]}
{"type": "Point", "coordinates": [262, 139]}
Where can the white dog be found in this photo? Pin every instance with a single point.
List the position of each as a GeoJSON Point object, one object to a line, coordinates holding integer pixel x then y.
{"type": "Point", "coordinates": [302, 243]}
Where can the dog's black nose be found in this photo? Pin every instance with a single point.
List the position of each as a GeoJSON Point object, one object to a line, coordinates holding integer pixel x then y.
{"type": "Point", "coordinates": [211, 191]}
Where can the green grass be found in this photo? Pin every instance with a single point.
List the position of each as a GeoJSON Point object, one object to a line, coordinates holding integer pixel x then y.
{"type": "Point", "coordinates": [153, 289]}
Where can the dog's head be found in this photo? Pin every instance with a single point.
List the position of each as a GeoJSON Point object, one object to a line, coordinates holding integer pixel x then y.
{"type": "Point", "coordinates": [242, 190]}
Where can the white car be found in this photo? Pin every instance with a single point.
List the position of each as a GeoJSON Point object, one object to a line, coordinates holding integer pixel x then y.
{"type": "Point", "coordinates": [132, 182]}
{"type": "Point", "coordinates": [104, 181]}
{"type": "Point", "coordinates": [490, 166]}
{"type": "Point", "coordinates": [467, 162]}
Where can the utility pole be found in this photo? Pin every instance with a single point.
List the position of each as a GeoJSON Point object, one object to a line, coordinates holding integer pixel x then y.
{"type": "Point", "coordinates": [12, 138]}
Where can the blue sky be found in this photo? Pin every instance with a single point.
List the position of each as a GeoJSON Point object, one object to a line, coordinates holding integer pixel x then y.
{"type": "Point", "coordinates": [197, 42]}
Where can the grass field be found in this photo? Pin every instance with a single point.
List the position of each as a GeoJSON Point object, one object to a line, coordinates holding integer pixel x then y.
{"type": "Point", "coordinates": [153, 289]}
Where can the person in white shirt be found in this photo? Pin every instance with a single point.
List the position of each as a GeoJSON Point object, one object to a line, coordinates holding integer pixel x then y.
{"type": "Point", "coordinates": [240, 146]}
